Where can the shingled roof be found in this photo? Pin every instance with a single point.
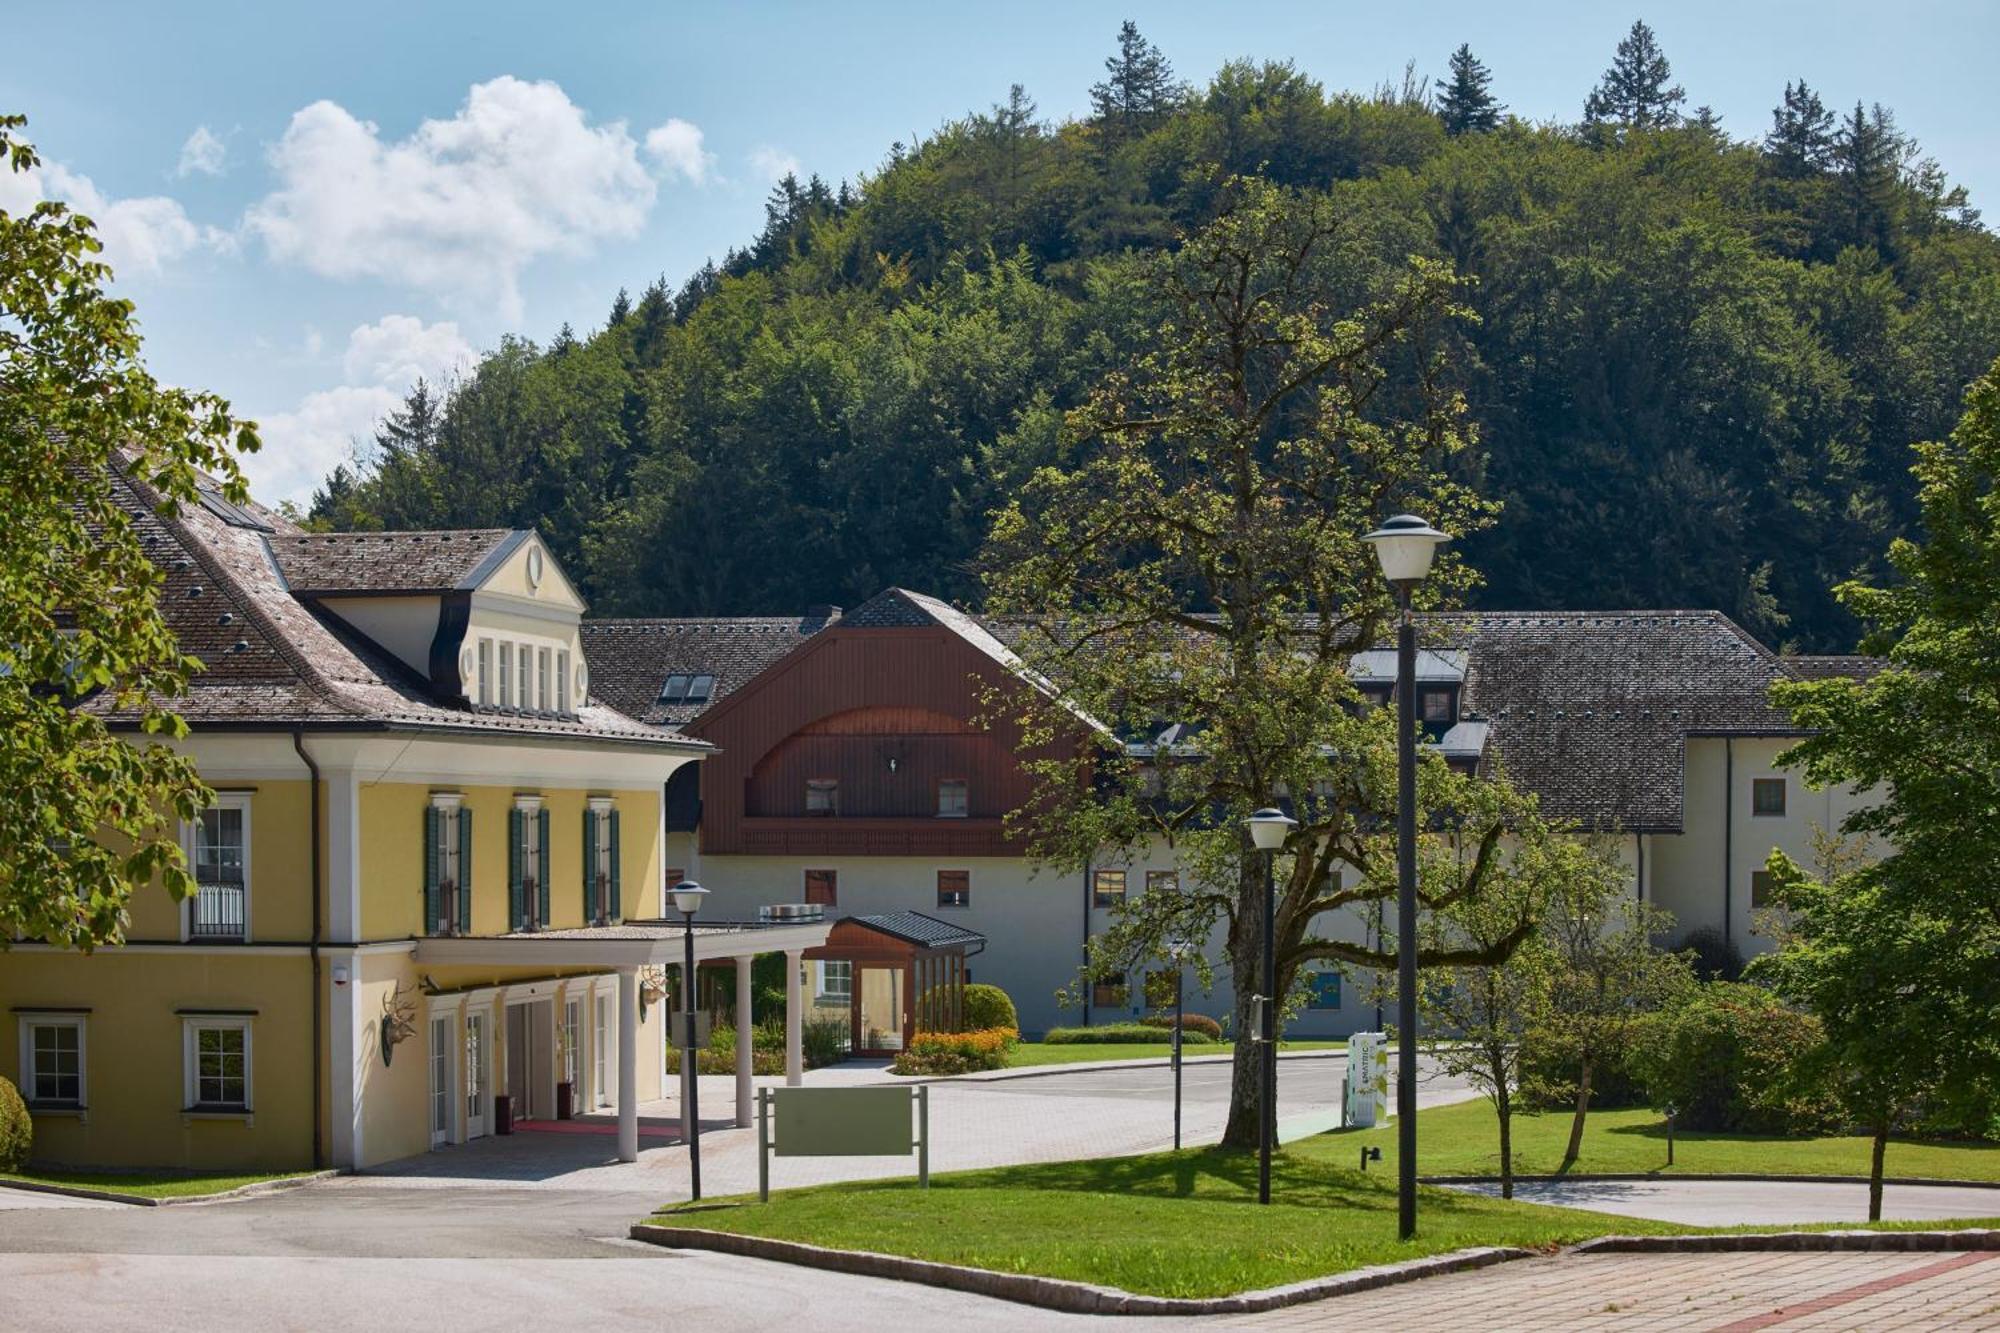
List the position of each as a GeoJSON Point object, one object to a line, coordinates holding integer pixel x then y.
{"type": "Point", "coordinates": [328, 563]}
{"type": "Point", "coordinates": [269, 660]}
{"type": "Point", "coordinates": [631, 659]}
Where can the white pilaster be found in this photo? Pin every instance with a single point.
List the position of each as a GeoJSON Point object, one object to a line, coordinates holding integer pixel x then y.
{"type": "Point", "coordinates": [745, 1037]}
{"type": "Point", "coordinates": [628, 1064]}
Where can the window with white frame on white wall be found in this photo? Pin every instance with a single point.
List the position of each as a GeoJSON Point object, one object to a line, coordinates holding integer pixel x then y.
{"type": "Point", "coordinates": [542, 682]}
{"type": "Point", "coordinates": [216, 1054]}
{"type": "Point", "coordinates": [217, 843]}
{"type": "Point", "coordinates": [505, 697]}
{"type": "Point", "coordinates": [524, 684]}
{"type": "Point", "coordinates": [562, 680]}
{"type": "Point", "coordinates": [53, 1072]}
{"type": "Point", "coordinates": [485, 695]}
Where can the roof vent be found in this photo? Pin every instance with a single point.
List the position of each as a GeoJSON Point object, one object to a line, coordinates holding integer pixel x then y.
{"type": "Point", "coordinates": [789, 912]}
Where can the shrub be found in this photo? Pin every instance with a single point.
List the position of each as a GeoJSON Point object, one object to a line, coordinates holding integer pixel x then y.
{"type": "Point", "coordinates": [822, 1041]}
{"type": "Point", "coordinates": [956, 1052]}
{"type": "Point", "coordinates": [1716, 957]}
{"type": "Point", "coordinates": [1113, 1034]}
{"type": "Point", "coordinates": [989, 1007]}
{"type": "Point", "coordinates": [17, 1131]}
{"type": "Point", "coordinates": [1194, 1027]}
{"type": "Point", "coordinates": [1725, 1060]}
{"type": "Point", "coordinates": [1548, 1078]}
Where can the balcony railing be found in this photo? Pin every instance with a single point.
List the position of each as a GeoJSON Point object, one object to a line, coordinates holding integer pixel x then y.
{"type": "Point", "coordinates": [451, 920]}
{"type": "Point", "coordinates": [217, 912]}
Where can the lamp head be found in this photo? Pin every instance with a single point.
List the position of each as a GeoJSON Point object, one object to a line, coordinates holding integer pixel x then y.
{"type": "Point", "coordinates": [688, 897]}
{"type": "Point", "coordinates": [1268, 828]}
{"type": "Point", "coordinates": [1405, 545]}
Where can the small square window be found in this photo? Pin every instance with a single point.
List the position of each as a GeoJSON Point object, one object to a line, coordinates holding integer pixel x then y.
{"type": "Point", "coordinates": [1112, 994]}
{"type": "Point", "coordinates": [822, 796]}
{"type": "Point", "coordinates": [954, 888]}
{"type": "Point", "coordinates": [1437, 705]}
{"type": "Point", "coordinates": [836, 981]}
{"type": "Point", "coordinates": [1323, 990]}
{"type": "Point", "coordinates": [822, 887]}
{"type": "Point", "coordinates": [52, 1073]}
{"type": "Point", "coordinates": [954, 798]}
{"type": "Point", "coordinates": [1162, 881]}
{"type": "Point", "coordinates": [1767, 796]}
{"type": "Point", "coordinates": [1107, 888]}
{"type": "Point", "coordinates": [218, 1065]}
{"type": "Point", "coordinates": [1761, 887]}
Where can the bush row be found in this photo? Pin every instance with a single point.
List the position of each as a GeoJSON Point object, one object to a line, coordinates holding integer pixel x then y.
{"type": "Point", "coordinates": [1191, 1024]}
{"type": "Point", "coordinates": [1108, 1034]}
{"type": "Point", "coordinates": [956, 1052]}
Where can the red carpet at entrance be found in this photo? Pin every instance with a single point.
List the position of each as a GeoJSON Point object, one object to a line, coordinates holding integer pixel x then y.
{"type": "Point", "coordinates": [657, 1129]}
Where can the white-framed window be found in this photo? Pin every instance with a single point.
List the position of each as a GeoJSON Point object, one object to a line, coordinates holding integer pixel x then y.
{"type": "Point", "coordinates": [542, 700]}
{"type": "Point", "coordinates": [954, 798]}
{"type": "Point", "coordinates": [216, 1055]}
{"type": "Point", "coordinates": [53, 1072]}
{"type": "Point", "coordinates": [836, 981]}
{"type": "Point", "coordinates": [601, 1067]}
{"type": "Point", "coordinates": [217, 843]}
{"type": "Point", "coordinates": [524, 685]}
{"type": "Point", "coordinates": [562, 680]}
{"type": "Point", "coordinates": [452, 909]}
{"type": "Point", "coordinates": [506, 675]}
{"type": "Point", "coordinates": [485, 695]}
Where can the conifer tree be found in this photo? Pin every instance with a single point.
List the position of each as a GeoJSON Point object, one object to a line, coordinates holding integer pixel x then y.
{"type": "Point", "coordinates": [1801, 138]}
{"type": "Point", "coordinates": [1636, 92]}
{"type": "Point", "coordinates": [621, 307]}
{"type": "Point", "coordinates": [1868, 154]}
{"type": "Point", "coordinates": [1464, 104]}
{"type": "Point", "coordinates": [1140, 88]}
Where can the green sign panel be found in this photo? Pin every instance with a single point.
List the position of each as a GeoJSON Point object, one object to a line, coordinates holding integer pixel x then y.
{"type": "Point", "coordinates": [841, 1122]}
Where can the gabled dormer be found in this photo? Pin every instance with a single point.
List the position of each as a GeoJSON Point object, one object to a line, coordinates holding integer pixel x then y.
{"type": "Point", "coordinates": [1440, 683]}
{"type": "Point", "coordinates": [486, 617]}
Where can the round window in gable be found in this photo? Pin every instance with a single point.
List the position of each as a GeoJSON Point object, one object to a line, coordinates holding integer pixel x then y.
{"type": "Point", "coordinates": [534, 567]}
{"type": "Point", "coordinates": [582, 684]}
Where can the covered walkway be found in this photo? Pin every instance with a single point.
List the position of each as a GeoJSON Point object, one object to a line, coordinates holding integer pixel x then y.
{"type": "Point", "coordinates": [625, 950]}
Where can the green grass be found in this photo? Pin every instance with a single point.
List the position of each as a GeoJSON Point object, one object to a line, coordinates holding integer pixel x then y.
{"type": "Point", "coordinates": [1464, 1140]}
{"type": "Point", "coordinates": [1169, 1224]}
{"type": "Point", "coordinates": [148, 1184]}
{"type": "Point", "coordinates": [1035, 1053]}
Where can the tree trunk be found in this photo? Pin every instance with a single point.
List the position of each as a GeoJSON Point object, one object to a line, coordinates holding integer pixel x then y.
{"type": "Point", "coordinates": [1245, 1074]}
{"type": "Point", "coordinates": [1575, 1148]}
{"type": "Point", "coordinates": [1504, 1104]}
{"type": "Point", "coordinates": [1875, 1169]}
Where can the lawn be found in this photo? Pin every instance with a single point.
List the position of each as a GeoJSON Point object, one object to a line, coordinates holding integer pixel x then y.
{"type": "Point", "coordinates": [1168, 1224]}
{"type": "Point", "coordinates": [1035, 1053]}
{"type": "Point", "coordinates": [1464, 1140]}
{"type": "Point", "coordinates": [149, 1184]}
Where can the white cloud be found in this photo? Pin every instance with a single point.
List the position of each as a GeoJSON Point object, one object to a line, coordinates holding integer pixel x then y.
{"type": "Point", "coordinates": [140, 236]}
{"type": "Point", "coordinates": [461, 206]}
{"type": "Point", "coordinates": [329, 426]}
{"type": "Point", "coordinates": [676, 146]}
{"type": "Point", "coordinates": [774, 164]}
{"type": "Point", "coordinates": [203, 152]}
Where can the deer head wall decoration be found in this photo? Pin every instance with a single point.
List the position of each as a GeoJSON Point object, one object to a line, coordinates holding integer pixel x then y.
{"type": "Point", "coordinates": [399, 1021]}
{"type": "Point", "coordinates": [652, 988]}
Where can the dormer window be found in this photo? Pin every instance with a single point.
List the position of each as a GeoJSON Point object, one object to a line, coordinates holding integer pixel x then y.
{"type": "Point", "coordinates": [562, 680]}
{"type": "Point", "coordinates": [1437, 705]}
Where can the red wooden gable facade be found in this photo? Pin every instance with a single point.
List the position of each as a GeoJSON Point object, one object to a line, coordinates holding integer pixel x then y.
{"type": "Point", "coordinates": [877, 723]}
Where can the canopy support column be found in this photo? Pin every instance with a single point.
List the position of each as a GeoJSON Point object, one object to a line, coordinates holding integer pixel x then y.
{"type": "Point", "coordinates": [745, 1036]}
{"type": "Point", "coordinates": [628, 1064]}
{"type": "Point", "coordinates": [795, 1065]}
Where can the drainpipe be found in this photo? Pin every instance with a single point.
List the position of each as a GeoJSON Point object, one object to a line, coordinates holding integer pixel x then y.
{"type": "Point", "coordinates": [1086, 944]}
{"type": "Point", "coordinates": [318, 1001]}
{"type": "Point", "coordinates": [1728, 837]}
{"type": "Point", "coordinates": [1639, 854]}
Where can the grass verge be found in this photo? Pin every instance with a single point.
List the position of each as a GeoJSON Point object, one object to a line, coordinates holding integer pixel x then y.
{"type": "Point", "coordinates": [1464, 1140]}
{"type": "Point", "coordinates": [1035, 1053]}
{"type": "Point", "coordinates": [148, 1184]}
{"type": "Point", "coordinates": [1167, 1224]}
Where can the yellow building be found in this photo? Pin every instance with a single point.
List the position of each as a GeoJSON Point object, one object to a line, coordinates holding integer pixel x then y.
{"type": "Point", "coordinates": [430, 884]}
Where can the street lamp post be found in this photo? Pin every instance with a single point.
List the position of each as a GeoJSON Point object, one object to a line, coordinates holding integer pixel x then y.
{"type": "Point", "coordinates": [1177, 951]}
{"type": "Point", "coordinates": [687, 901]}
{"type": "Point", "coordinates": [1268, 828]}
{"type": "Point", "coordinates": [1406, 545]}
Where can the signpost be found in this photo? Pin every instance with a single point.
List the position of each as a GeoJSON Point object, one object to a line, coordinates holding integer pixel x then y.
{"type": "Point", "coordinates": [842, 1122]}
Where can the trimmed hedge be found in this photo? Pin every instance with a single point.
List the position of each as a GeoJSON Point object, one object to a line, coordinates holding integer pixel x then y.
{"type": "Point", "coordinates": [17, 1131]}
{"type": "Point", "coordinates": [1118, 1034]}
{"type": "Point", "coordinates": [989, 1007]}
{"type": "Point", "coordinates": [1195, 1026]}
{"type": "Point", "coordinates": [956, 1052]}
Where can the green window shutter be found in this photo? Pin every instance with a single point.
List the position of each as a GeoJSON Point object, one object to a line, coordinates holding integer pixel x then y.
{"type": "Point", "coordinates": [464, 869]}
{"type": "Point", "coordinates": [542, 882]}
{"type": "Point", "coordinates": [517, 904]}
{"type": "Point", "coordinates": [589, 856]}
{"type": "Point", "coordinates": [617, 908]}
{"type": "Point", "coordinates": [433, 853]}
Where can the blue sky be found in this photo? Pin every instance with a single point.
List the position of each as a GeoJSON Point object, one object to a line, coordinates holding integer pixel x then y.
{"type": "Point", "coordinates": [313, 203]}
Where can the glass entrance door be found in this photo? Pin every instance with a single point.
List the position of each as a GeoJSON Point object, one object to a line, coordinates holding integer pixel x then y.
{"type": "Point", "coordinates": [441, 1080]}
{"type": "Point", "coordinates": [878, 1007]}
{"type": "Point", "coordinates": [477, 1062]}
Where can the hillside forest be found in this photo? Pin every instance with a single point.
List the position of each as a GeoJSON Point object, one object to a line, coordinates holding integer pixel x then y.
{"type": "Point", "coordinates": [1699, 354]}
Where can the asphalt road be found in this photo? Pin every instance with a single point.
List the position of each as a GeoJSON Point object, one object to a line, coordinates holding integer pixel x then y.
{"type": "Point", "coordinates": [1756, 1202]}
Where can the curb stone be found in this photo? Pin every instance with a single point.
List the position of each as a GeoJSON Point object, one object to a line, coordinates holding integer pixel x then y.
{"type": "Point", "coordinates": [251, 1190]}
{"type": "Point", "coordinates": [1970, 1239]}
{"type": "Point", "coordinates": [1058, 1294]}
{"type": "Point", "coordinates": [1665, 1176]}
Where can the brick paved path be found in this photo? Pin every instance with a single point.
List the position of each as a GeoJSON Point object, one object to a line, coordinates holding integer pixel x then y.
{"type": "Point", "coordinates": [1716, 1292]}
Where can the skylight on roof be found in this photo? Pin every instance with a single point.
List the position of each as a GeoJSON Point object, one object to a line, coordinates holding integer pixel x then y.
{"type": "Point", "coordinates": [687, 688]}
{"type": "Point", "coordinates": [235, 515]}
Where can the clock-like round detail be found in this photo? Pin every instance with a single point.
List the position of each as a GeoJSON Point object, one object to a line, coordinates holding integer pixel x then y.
{"type": "Point", "coordinates": [535, 567]}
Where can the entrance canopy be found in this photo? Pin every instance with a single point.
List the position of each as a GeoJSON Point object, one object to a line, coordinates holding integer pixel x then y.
{"type": "Point", "coordinates": [629, 945]}
{"type": "Point", "coordinates": [907, 975]}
